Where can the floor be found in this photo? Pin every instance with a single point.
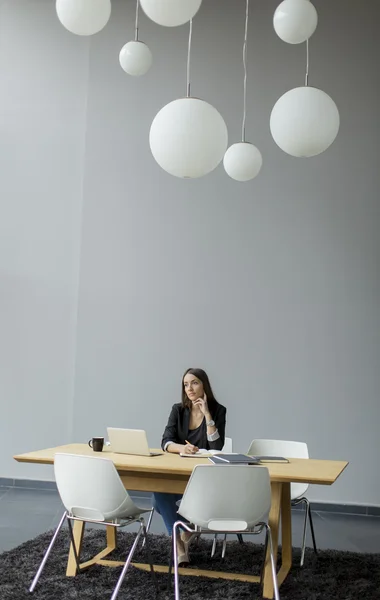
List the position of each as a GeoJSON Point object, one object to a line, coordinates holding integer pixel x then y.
{"type": "Point", "coordinates": [25, 513]}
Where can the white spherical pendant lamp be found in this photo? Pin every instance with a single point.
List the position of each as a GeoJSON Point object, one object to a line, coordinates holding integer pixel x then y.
{"type": "Point", "coordinates": [170, 13]}
{"type": "Point", "coordinates": [135, 58]}
{"type": "Point", "coordinates": [83, 17]}
{"type": "Point", "coordinates": [295, 21]}
{"type": "Point", "coordinates": [304, 122]}
{"type": "Point", "coordinates": [188, 138]}
{"type": "Point", "coordinates": [242, 161]}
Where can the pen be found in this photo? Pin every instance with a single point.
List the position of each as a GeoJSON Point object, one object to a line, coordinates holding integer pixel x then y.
{"type": "Point", "coordinates": [189, 444]}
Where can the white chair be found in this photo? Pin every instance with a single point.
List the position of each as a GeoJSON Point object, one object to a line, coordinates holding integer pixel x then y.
{"type": "Point", "coordinates": [226, 499]}
{"type": "Point", "coordinates": [228, 448]}
{"type": "Point", "coordinates": [91, 491]}
{"type": "Point", "coordinates": [297, 490]}
{"type": "Point", "coordinates": [227, 445]}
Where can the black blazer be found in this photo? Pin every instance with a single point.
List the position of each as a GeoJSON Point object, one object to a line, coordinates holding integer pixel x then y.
{"type": "Point", "coordinates": [177, 428]}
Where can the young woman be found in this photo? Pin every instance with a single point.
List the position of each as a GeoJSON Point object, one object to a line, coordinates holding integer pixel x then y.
{"type": "Point", "coordinates": [198, 421]}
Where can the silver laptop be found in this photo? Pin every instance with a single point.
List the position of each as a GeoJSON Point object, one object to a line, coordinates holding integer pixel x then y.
{"type": "Point", "coordinates": [129, 441]}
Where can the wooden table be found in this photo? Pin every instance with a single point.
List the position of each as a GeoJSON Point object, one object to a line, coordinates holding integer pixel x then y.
{"type": "Point", "coordinates": [170, 473]}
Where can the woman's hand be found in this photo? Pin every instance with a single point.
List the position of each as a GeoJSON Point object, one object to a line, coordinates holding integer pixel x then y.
{"type": "Point", "coordinates": [203, 405]}
{"type": "Point", "coordinates": [190, 449]}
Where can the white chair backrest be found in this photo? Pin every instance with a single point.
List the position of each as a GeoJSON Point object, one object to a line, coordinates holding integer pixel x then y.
{"type": "Point", "coordinates": [284, 448]}
{"type": "Point", "coordinates": [226, 497]}
{"type": "Point", "coordinates": [90, 487]}
{"type": "Point", "coordinates": [227, 445]}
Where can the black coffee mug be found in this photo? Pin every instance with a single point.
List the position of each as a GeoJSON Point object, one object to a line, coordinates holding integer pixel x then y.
{"type": "Point", "coordinates": [96, 443]}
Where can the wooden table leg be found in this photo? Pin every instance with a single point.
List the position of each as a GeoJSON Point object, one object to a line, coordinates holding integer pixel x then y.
{"type": "Point", "coordinates": [286, 534]}
{"type": "Point", "coordinates": [78, 531]}
{"type": "Point", "coordinates": [111, 538]}
{"type": "Point", "coordinates": [274, 522]}
{"type": "Point", "coordinates": [96, 560]}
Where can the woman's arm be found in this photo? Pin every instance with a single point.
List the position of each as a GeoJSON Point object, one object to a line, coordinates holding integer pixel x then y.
{"type": "Point", "coordinates": [171, 430]}
{"type": "Point", "coordinates": [175, 448]}
{"type": "Point", "coordinates": [219, 428]}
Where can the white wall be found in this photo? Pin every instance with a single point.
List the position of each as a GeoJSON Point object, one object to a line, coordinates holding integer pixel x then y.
{"type": "Point", "coordinates": [43, 82]}
{"type": "Point", "coordinates": [271, 286]}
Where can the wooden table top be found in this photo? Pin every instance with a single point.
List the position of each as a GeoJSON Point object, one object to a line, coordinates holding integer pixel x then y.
{"type": "Point", "coordinates": [298, 470]}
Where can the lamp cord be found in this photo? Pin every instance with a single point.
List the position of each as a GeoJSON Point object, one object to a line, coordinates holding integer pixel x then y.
{"type": "Point", "coordinates": [307, 63]}
{"type": "Point", "coordinates": [245, 72]}
{"type": "Point", "coordinates": [137, 22]}
{"type": "Point", "coordinates": [188, 60]}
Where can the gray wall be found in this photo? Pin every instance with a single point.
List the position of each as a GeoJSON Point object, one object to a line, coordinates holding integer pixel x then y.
{"type": "Point", "coordinates": [115, 276]}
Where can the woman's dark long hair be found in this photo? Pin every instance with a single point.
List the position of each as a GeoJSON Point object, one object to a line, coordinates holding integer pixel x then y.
{"type": "Point", "coordinates": [203, 377]}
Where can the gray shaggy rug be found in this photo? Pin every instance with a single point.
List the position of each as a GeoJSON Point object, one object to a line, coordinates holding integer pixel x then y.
{"type": "Point", "coordinates": [331, 575]}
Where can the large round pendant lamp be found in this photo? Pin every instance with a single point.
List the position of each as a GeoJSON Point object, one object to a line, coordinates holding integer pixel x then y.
{"type": "Point", "coordinates": [304, 122]}
{"type": "Point", "coordinates": [295, 21]}
{"type": "Point", "coordinates": [188, 138]}
{"type": "Point", "coordinates": [83, 17]}
{"type": "Point", "coordinates": [170, 13]}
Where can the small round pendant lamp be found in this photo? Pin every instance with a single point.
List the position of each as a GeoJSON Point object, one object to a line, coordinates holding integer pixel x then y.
{"type": "Point", "coordinates": [135, 57]}
{"type": "Point", "coordinates": [295, 21]}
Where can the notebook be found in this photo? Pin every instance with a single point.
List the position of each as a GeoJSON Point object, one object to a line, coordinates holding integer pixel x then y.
{"type": "Point", "coordinates": [271, 459]}
{"type": "Point", "coordinates": [233, 459]}
{"type": "Point", "coordinates": [202, 452]}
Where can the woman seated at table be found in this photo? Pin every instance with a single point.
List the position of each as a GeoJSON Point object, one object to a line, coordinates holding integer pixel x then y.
{"type": "Point", "coordinates": [199, 421]}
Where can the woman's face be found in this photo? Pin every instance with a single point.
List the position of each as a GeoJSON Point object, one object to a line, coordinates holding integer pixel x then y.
{"type": "Point", "coordinates": [193, 387]}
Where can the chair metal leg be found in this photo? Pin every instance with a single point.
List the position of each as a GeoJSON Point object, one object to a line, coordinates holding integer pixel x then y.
{"type": "Point", "coordinates": [265, 556]}
{"type": "Point", "coordinates": [224, 546]}
{"type": "Point", "coordinates": [171, 566]}
{"type": "Point", "coordinates": [214, 545]}
{"type": "Point", "coordinates": [274, 574]}
{"type": "Point", "coordinates": [312, 531]}
{"type": "Point", "coordinates": [175, 555]}
{"type": "Point", "coordinates": [46, 555]}
{"type": "Point", "coordinates": [148, 525]}
{"type": "Point", "coordinates": [154, 578]}
{"type": "Point", "coordinates": [127, 562]}
{"type": "Point", "coordinates": [303, 547]}
{"type": "Point", "coordinates": [308, 517]}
